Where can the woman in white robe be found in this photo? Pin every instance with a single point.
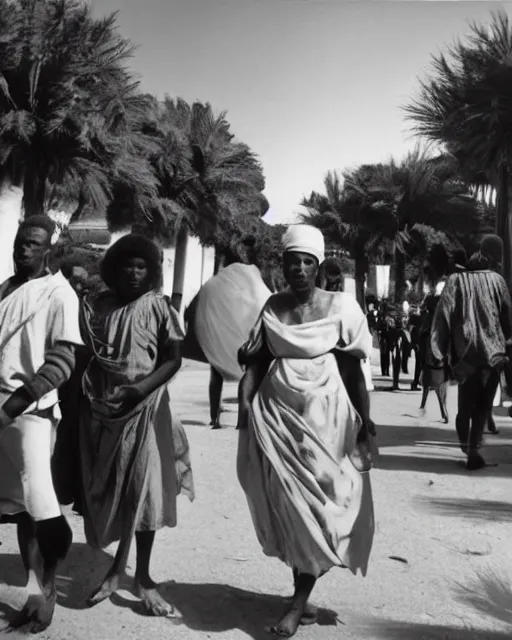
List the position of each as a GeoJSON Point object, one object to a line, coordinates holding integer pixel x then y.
{"type": "Point", "coordinates": [302, 458]}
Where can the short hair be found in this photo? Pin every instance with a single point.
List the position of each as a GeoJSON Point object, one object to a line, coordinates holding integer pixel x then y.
{"type": "Point", "coordinates": [332, 266]}
{"type": "Point", "coordinates": [39, 222]}
{"type": "Point", "coordinates": [492, 247]}
{"type": "Point", "coordinates": [132, 246]}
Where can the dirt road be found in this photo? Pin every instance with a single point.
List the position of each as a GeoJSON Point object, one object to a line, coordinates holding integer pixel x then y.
{"type": "Point", "coordinates": [441, 567]}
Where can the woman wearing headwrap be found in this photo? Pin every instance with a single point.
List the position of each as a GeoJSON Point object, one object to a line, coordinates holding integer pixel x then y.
{"type": "Point", "coordinates": [134, 453]}
{"type": "Point", "coordinates": [303, 460]}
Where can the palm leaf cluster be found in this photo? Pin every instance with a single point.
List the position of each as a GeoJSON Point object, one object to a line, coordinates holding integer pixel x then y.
{"type": "Point", "coordinates": [465, 105]}
{"type": "Point", "coordinates": [396, 211]}
{"type": "Point", "coordinates": [77, 133]}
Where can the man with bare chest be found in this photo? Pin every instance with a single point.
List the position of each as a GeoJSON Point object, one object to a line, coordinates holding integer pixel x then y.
{"type": "Point", "coordinates": [38, 335]}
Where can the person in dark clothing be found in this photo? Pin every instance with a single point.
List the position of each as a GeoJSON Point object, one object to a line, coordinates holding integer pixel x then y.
{"type": "Point", "coordinates": [472, 335]}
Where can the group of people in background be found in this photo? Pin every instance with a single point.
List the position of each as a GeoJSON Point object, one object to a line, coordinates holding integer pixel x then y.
{"type": "Point", "coordinates": [301, 358]}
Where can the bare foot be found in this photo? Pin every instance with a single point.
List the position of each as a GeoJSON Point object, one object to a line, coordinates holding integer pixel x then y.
{"type": "Point", "coordinates": [153, 602]}
{"type": "Point", "coordinates": [109, 586]}
{"type": "Point", "coordinates": [310, 615]}
{"type": "Point", "coordinates": [37, 614]}
{"type": "Point", "coordinates": [289, 623]}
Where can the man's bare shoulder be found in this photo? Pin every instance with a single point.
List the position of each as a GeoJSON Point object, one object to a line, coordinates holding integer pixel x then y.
{"type": "Point", "coordinates": [280, 301]}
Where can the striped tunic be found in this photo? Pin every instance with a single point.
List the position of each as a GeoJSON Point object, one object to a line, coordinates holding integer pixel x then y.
{"type": "Point", "coordinates": [472, 325]}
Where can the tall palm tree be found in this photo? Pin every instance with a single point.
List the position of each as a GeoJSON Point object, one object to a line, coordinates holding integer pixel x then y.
{"type": "Point", "coordinates": [67, 103]}
{"type": "Point", "coordinates": [207, 182]}
{"type": "Point", "coordinates": [466, 106]}
{"type": "Point", "coordinates": [393, 210]}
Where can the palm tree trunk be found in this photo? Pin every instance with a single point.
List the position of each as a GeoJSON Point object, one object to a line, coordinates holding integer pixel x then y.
{"type": "Point", "coordinates": [399, 277]}
{"type": "Point", "coordinates": [503, 221]}
{"type": "Point", "coordinates": [10, 216]}
{"type": "Point", "coordinates": [361, 270]}
{"type": "Point", "coordinates": [180, 264]}
{"type": "Point", "coordinates": [34, 191]}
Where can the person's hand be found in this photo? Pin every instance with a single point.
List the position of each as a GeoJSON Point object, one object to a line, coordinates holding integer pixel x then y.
{"type": "Point", "coordinates": [127, 393]}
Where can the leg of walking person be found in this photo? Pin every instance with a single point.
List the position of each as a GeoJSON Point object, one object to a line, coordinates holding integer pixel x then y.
{"type": "Point", "coordinates": [487, 383]}
{"type": "Point", "coordinates": [215, 392]}
{"type": "Point", "coordinates": [491, 425]}
{"type": "Point", "coordinates": [465, 403]}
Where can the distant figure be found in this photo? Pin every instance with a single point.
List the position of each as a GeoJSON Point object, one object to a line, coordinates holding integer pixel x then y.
{"type": "Point", "coordinates": [431, 378]}
{"type": "Point", "coordinates": [472, 334]}
{"type": "Point", "coordinates": [330, 275]}
{"type": "Point", "coordinates": [219, 320]}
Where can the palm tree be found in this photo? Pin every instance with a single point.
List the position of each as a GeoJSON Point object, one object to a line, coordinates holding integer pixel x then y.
{"type": "Point", "coordinates": [394, 210]}
{"type": "Point", "coordinates": [67, 103]}
{"type": "Point", "coordinates": [208, 183]}
{"type": "Point", "coordinates": [466, 106]}
{"type": "Point", "coordinates": [337, 217]}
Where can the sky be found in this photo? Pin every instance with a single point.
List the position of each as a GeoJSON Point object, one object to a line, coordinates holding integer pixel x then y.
{"type": "Point", "coordinates": [309, 85]}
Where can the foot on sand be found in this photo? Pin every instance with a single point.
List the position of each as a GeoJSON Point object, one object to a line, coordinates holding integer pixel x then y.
{"type": "Point", "coordinates": [310, 615]}
{"type": "Point", "coordinates": [289, 623]}
{"type": "Point", "coordinates": [109, 586]}
{"type": "Point", "coordinates": [154, 604]}
{"type": "Point", "coordinates": [37, 614]}
{"type": "Point", "coordinates": [475, 462]}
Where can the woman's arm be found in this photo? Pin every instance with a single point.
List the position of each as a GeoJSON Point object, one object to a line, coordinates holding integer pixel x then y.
{"type": "Point", "coordinates": [248, 387]}
{"type": "Point", "coordinates": [353, 378]}
{"type": "Point", "coordinates": [162, 374]}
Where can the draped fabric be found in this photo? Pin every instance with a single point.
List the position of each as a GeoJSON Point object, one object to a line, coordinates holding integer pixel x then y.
{"type": "Point", "coordinates": [310, 507]}
{"type": "Point", "coordinates": [135, 461]}
{"type": "Point", "coordinates": [227, 307]}
{"type": "Point", "coordinates": [472, 323]}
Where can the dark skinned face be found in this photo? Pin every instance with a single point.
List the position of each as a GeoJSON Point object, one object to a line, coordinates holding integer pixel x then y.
{"type": "Point", "coordinates": [31, 249]}
{"type": "Point", "coordinates": [133, 279]}
{"type": "Point", "coordinates": [300, 270]}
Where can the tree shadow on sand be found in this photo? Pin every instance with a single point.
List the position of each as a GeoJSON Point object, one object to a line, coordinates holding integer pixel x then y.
{"type": "Point", "coordinates": [218, 608]}
{"type": "Point", "coordinates": [395, 630]}
{"type": "Point", "coordinates": [490, 594]}
{"type": "Point", "coordinates": [450, 460]}
{"type": "Point", "coordinates": [469, 509]}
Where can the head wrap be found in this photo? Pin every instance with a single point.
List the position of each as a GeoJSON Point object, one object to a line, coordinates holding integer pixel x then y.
{"type": "Point", "coordinates": [303, 238]}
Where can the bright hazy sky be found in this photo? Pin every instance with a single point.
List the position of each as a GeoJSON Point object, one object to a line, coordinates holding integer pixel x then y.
{"type": "Point", "coordinates": [310, 85]}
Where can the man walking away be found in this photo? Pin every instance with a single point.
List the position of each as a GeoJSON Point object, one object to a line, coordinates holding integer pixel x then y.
{"type": "Point", "coordinates": [472, 334]}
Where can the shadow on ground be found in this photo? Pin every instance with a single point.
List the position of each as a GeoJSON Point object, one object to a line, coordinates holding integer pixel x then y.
{"type": "Point", "coordinates": [218, 608]}
{"type": "Point", "coordinates": [81, 572]}
{"type": "Point", "coordinates": [497, 451]}
{"type": "Point", "coordinates": [394, 630]}
{"type": "Point", "coordinates": [489, 593]}
{"type": "Point", "coordinates": [467, 508]}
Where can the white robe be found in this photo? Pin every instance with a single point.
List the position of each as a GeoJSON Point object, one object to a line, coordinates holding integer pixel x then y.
{"type": "Point", "coordinates": [310, 506]}
{"type": "Point", "coordinates": [33, 319]}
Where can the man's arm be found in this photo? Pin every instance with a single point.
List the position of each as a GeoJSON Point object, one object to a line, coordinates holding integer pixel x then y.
{"type": "Point", "coordinates": [506, 314]}
{"type": "Point", "coordinates": [56, 370]}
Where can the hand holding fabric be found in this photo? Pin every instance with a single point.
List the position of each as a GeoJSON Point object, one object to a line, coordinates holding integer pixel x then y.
{"type": "Point", "coordinates": [129, 393]}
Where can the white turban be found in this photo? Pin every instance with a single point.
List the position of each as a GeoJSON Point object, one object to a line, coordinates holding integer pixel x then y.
{"type": "Point", "coordinates": [303, 238]}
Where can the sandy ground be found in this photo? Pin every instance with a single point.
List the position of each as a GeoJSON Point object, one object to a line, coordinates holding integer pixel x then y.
{"type": "Point", "coordinates": [441, 566]}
